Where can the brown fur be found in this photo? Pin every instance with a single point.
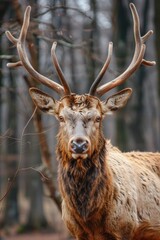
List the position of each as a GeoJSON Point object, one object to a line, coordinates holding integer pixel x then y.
{"type": "Point", "coordinates": [118, 212]}
{"type": "Point", "coordinates": [147, 232]}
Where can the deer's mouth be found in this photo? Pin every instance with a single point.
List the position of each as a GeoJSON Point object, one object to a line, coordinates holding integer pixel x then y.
{"type": "Point", "coordinates": [79, 155]}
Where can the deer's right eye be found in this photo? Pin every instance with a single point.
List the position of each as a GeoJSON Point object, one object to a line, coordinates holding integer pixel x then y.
{"type": "Point", "coordinates": [61, 119]}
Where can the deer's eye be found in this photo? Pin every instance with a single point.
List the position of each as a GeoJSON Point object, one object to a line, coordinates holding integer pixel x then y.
{"type": "Point", "coordinates": [61, 119]}
{"type": "Point", "coordinates": [98, 119]}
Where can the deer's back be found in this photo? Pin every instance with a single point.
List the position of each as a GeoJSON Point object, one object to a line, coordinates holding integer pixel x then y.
{"type": "Point", "coordinates": [147, 160]}
{"type": "Point", "coordinates": [136, 180]}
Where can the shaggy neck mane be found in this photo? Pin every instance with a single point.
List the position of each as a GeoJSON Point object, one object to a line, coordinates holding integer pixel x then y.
{"type": "Point", "coordinates": [84, 181]}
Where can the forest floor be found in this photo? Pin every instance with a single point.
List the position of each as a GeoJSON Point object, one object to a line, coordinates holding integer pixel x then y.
{"type": "Point", "coordinates": [35, 236]}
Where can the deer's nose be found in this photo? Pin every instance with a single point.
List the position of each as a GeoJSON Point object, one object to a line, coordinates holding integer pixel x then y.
{"type": "Point", "coordinates": [79, 145]}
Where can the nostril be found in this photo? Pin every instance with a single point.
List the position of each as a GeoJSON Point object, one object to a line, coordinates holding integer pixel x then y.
{"type": "Point", "coordinates": [73, 145]}
{"type": "Point", "coordinates": [85, 145]}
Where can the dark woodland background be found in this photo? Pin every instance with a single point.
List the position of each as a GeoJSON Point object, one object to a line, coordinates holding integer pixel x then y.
{"type": "Point", "coordinates": [28, 169]}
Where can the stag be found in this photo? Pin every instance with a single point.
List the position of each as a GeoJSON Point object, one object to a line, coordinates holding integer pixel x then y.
{"type": "Point", "coordinates": [106, 194]}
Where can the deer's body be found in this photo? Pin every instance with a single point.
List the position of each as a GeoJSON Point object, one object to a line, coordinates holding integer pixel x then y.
{"type": "Point", "coordinates": [110, 193]}
{"type": "Point", "coordinates": [106, 194]}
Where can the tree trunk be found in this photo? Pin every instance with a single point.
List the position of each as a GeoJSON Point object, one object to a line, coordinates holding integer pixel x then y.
{"type": "Point", "coordinates": [157, 47]}
{"type": "Point", "coordinates": [157, 37]}
{"type": "Point", "coordinates": [120, 36]}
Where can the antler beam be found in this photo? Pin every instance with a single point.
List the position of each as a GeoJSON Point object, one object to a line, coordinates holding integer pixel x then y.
{"type": "Point", "coordinates": [136, 61]}
{"type": "Point", "coordinates": [24, 61]}
{"type": "Point", "coordinates": [103, 70]}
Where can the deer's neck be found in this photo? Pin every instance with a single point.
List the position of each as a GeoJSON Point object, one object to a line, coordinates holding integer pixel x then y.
{"type": "Point", "coordinates": [83, 182]}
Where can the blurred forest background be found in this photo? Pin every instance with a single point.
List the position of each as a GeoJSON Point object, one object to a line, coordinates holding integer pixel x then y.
{"type": "Point", "coordinates": [82, 28]}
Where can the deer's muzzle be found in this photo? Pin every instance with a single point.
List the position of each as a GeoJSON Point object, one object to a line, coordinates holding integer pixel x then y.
{"type": "Point", "coordinates": [79, 147]}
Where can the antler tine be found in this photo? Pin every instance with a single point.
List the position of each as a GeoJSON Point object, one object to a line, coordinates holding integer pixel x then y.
{"type": "Point", "coordinates": [139, 40]}
{"type": "Point", "coordinates": [123, 77]}
{"type": "Point", "coordinates": [137, 57]}
{"type": "Point", "coordinates": [94, 86]}
{"type": "Point", "coordinates": [24, 61]}
{"type": "Point", "coordinates": [59, 70]}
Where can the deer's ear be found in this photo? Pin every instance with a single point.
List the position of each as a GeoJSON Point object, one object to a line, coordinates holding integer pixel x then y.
{"type": "Point", "coordinates": [43, 101]}
{"type": "Point", "coordinates": [117, 101]}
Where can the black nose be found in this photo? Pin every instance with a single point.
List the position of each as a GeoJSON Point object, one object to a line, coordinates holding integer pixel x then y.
{"type": "Point", "coordinates": [79, 145]}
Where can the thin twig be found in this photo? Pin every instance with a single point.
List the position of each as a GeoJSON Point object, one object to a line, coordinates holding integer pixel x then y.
{"type": "Point", "coordinates": [67, 44]}
{"type": "Point", "coordinates": [20, 161]}
{"type": "Point", "coordinates": [63, 7]}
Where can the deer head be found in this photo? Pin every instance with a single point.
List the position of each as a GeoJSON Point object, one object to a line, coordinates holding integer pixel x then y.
{"type": "Point", "coordinates": [80, 116]}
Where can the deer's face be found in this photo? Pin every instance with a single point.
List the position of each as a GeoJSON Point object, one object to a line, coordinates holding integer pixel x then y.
{"type": "Point", "coordinates": [80, 118]}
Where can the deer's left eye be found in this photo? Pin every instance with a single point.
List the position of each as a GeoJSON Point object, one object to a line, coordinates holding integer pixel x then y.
{"type": "Point", "coordinates": [98, 119]}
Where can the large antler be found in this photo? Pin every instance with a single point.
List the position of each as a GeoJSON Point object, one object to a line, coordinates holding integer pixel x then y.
{"type": "Point", "coordinates": [24, 61]}
{"type": "Point", "coordinates": [135, 63]}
